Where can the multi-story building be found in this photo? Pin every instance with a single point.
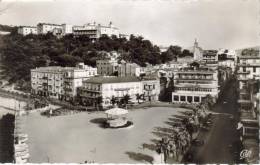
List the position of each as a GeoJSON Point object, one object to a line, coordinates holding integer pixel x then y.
{"type": "Point", "coordinates": [26, 30]}
{"type": "Point", "coordinates": [66, 29]}
{"type": "Point", "coordinates": [192, 84]}
{"type": "Point", "coordinates": [118, 87]}
{"type": "Point", "coordinates": [60, 82]}
{"type": "Point", "coordinates": [107, 66]}
{"type": "Point", "coordinates": [44, 28]}
{"type": "Point", "coordinates": [95, 31]}
{"type": "Point", "coordinates": [248, 75]}
{"type": "Point", "coordinates": [109, 30]}
{"type": "Point", "coordinates": [210, 56]}
{"type": "Point", "coordinates": [227, 58]}
{"type": "Point", "coordinates": [74, 78]}
{"type": "Point", "coordinates": [248, 68]}
{"type": "Point", "coordinates": [248, 106]}
{"type": "Point", "coordinates": [129, 69]}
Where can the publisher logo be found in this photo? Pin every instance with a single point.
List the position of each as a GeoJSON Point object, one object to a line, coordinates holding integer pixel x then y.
{"type": "Point", "coordinates": [245, 154]}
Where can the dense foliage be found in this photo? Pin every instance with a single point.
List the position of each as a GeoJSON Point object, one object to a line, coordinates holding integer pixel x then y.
{"type": "Point", "coordinates": [250, 52]}
{"type": "Point", "coordinates": [22, 53]}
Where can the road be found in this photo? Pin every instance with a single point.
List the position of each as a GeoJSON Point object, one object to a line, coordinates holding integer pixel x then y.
{"type": "Point", "coordinates": [221, 143]}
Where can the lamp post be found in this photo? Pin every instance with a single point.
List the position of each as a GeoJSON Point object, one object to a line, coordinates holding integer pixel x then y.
{"type": "Point", "coordinates": [149, 89]}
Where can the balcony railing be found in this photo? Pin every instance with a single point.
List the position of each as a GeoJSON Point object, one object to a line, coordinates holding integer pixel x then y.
{"type": "Point", "coordinates": [243, 72]}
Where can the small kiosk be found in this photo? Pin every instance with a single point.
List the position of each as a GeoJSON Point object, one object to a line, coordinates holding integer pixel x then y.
{"type": "Point", "coordinates": [116, 118]}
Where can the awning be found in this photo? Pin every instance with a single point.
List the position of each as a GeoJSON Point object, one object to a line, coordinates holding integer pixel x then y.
{"type": "Point", "coordinates": [116, 111]}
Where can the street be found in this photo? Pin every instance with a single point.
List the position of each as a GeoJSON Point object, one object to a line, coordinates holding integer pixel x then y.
{"type": "Point", "coordinates": [221, 143]}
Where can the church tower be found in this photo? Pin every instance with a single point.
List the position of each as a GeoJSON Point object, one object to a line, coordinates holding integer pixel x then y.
{"type": "Point", "coordinates": [197, 51]}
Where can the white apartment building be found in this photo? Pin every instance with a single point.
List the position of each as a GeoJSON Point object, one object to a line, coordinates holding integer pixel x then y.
{"type": "Point", "coordinates": [192, 84]}
{"type": "Point", "coordinates": [60, 82]}
{"type": "Point", "coordinates": [44, 28]}
{"type": "Point", "coordinates": [66, 29]}
{"type": "Point", "coordinates": [109, 30]}
{"type": "Point", "coordinates": [26, 30]}
{"type": "Point", "coordinates": [95, 31]}
{"type": "Point", "coordinates": [210, 56]}
{"type": "Point", "coordinates": [107, 67]}
{"type": "Point", "coordinates": [248, 68]}
{"type": "Point", "coordinates": [227, 58]}
{"type": "Point", "coordinates": [118, 87]}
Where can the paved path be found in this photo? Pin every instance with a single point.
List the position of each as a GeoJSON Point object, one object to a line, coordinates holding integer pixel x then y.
{"type": "Point", "coordinates": [222, 141]}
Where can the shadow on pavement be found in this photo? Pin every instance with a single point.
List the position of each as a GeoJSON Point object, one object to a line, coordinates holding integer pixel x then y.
{"type": "Point", "coordinates": [99, 121]}
{"type": "Point", "coordinates": [140, 157]}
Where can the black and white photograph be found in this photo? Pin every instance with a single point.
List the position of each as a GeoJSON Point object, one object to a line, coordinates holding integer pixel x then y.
{"type": "Point", "coordinates": [129, 81]}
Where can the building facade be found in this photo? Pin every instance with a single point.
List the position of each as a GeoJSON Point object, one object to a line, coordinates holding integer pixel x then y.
{"type": "Point", "coordinates": [118, 87]}
{"type": "Point", "coordinates": [60, 82]}
{"type": "Point", "coordinates": [227, 58]}
{"type": "Point", "coordinates": [129, 69]}
{"type": "Point", "coordinates": [210, 56]}
{"type": "Point", "coordinates": [44, 28]}
{"type": "Point", "coordinates": [248, 68]}
{"type": "Point", "coordinates": [66, 29]}
{"type": "Point", "coordinates": [95, 31]}
{"type": "Point", "coordinates": [26, 30]}
{"type": "Point", "coordinates": [192, 84]}
{"type": "Point", "coordinates": [107, 67]}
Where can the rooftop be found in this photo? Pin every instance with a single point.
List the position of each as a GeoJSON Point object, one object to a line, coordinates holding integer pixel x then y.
{"type": "Point", "coordinates": [27, 27]}
{"type": "Point", "coordinates": [196, 69]}
{"type": "Point", "coordinates": [114, 79]}
{"type": "Point", "coordinates": [48, 24]}
{"type": "Point", "coordinates": [55, 69]}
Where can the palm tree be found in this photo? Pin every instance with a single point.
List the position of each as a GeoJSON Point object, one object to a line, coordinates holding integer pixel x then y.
{"type": "Point", "coordinates": [99, 101]}
{"type": "Point", "coordinates": [207, 102]}
{"type": "Point", "coordinates": [126, 99]}
{"type": "Point", "coordinates": [138, 97]}
{"type": "Point", "coordinates": [113, 100]}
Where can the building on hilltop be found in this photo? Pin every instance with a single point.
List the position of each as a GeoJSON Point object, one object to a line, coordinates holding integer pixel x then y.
{"type": "Point", "coordinates": [60, 82]}
{"type": "Point", "coordinates": [26, 30]}
{"type": "Point", "coordinates": [44, 28]}
{"type": "Point", "coordinates": [95, 31]}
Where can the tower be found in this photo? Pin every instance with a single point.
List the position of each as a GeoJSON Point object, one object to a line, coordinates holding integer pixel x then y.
{"type": "Point", "coordinates": [197, 51]}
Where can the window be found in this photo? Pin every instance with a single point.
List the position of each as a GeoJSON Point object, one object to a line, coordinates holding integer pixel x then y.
{"type": "Point", "coordinates": [189, 99]}
{"type": "Point", "coordinates": [196, 99]}
{"type": "Point", "coordinates": [183, 98]}
{"type": "Point", "coordinates": [254, 69]}
{"type": "Point", "coordinates": [244, 69]}
{"type": "Point", "coordinates": [176, 98]}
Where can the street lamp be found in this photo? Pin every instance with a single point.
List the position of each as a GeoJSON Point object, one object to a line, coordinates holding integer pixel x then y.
{"type": "Point", "coordinates": [149, 89]}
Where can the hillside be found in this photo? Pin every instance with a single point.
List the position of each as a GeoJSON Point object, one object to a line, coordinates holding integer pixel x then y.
{"type": "Point", "coordinates": [7, 28]}
{"type": "Point", "coordinates": [239, 51]}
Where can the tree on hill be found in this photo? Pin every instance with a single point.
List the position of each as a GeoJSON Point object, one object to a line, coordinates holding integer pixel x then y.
{"type": "Point", "coordinates": [22, 53]}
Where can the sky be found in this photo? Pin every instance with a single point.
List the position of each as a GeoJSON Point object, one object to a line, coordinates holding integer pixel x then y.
{"type": "Point", "coordinates": [215, 23]}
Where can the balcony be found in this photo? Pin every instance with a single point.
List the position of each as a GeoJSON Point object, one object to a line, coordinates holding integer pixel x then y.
{"type": "Point", "coordinates": [243, 72]}
{"type": "Point", "coordinates": [256, 64]}
{"type": "Point", "coordinates": [242, 78]}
